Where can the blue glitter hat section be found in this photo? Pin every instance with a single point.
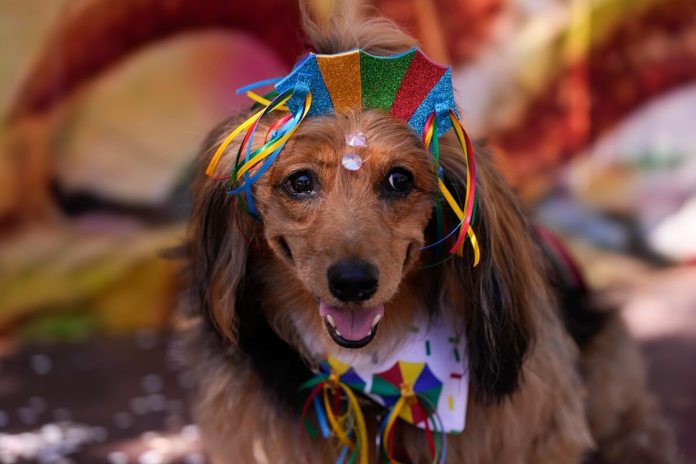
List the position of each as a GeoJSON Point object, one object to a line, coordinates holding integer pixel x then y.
{"type": "Point", "coordinates": [440, 100]}
{"type": "Point", "coordinates": [321, 101]}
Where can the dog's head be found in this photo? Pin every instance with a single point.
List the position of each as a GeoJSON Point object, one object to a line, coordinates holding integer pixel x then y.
{"type": "Point", "coordinates": [336, 261]}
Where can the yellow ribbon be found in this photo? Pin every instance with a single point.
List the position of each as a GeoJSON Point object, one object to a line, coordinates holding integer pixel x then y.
{"type": "Point", "coordinates": [460, 214]}
{"type": "Point", "coordinates": [390, 424]}
{"type": "Point", "coordinates": [461, 137]}
{"type": "Point", "coordinates": [448, 196]}
{"type": "Point", "coordinates": [264, 101]}
{"type": "Point", "coordinates": [210, 170]}
{"type": "Point", "coordinates": [275, 144]}
{"type": "Point", "coordinates": [334, 422]}
{"type": "Point", "coordinates": [359, 423]}
{"type": "Point", "coordinates": [225, 143]}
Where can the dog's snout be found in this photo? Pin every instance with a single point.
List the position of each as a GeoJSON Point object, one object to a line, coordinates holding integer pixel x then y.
{"type": "Point", "coordinates": [353, 280]}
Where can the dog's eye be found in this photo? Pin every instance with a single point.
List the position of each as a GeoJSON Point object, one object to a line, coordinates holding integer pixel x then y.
{"type": "Point", "coordinates": [399, 181]}
{"type": "Point", "coordinates": [300, 184]}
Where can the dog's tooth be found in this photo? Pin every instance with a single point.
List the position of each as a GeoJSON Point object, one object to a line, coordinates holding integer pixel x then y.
{"type": "Point", "coordinates": [376, 320]}
{"type": "Point", "coordinates": [338, 332]}
{"type": "Point", "coordinates": [330, 318]}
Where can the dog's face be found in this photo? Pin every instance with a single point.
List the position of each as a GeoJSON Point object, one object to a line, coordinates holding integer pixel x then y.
{"type": "Point", "coordinates": [349, 237]}
{"type": "Point", "coordinates": [340, 250]}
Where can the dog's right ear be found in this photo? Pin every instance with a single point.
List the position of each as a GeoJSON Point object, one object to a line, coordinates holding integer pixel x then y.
{"type": "Point", "coordinates": [217, 245]}
{"type": "Point", "coordinates": [497, 302]}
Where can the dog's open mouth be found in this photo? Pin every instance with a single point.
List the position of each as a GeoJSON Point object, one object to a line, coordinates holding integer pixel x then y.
{"type": "Point", "coordinates": [351, 326]}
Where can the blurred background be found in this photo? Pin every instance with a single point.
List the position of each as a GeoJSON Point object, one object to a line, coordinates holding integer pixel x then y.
{"type": "Point", "coordinates": [590, 106]}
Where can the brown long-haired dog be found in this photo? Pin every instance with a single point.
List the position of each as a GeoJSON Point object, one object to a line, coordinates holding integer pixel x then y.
{"type": "Point", "coordinates": [550, 383]}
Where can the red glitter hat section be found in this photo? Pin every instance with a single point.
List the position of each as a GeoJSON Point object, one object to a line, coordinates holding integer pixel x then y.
{"type": "Point", "coordinates": [421, 76]}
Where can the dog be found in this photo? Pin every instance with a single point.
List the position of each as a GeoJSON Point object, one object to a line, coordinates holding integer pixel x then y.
{"type": "Point", "coordinates": [553, 378]}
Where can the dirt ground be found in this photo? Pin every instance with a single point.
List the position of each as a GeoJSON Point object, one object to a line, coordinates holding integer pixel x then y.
{"type": "Point", "coordinates": [124, 400]}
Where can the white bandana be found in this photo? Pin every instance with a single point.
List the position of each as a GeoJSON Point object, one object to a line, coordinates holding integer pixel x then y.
{"type": "Point", "coordinates": [431, 362]}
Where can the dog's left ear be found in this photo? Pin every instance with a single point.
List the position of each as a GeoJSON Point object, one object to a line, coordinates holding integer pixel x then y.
{"type": "Point", "coordinates": [495, 301]}
{"type": "Point", "coordinates": [217, 243]}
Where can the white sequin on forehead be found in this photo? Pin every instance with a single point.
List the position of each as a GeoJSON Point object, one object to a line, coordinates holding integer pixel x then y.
{"type": "Point", "coordinates": [356, 139]}
{"type": "Point", "coordinates": [352, 161]}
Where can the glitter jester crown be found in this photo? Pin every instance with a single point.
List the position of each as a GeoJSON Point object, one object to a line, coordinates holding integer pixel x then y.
{"type": "Point", "coordinates": [408, 86]}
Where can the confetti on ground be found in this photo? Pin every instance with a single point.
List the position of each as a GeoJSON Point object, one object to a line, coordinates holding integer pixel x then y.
{"type": "Point", "coordinates": [125, 401]}
{"type": "Point", "coordinates": [114, 401]}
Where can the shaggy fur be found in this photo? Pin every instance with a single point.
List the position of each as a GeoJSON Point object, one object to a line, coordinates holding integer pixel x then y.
{"type": "Point", "coordinates": [539, 395]}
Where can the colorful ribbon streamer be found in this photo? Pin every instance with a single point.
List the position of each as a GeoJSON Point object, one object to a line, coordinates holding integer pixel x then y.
{"type": "Point", "coordinates": [240, 181]}
{"type": "Point", "coordinates": [465, 215]}
{"type": "Point", "coordinates": [434, 430]}
{"type": "Point", "coordinates": [344, 419]}
{"type": "Point", "coordinates": [348, 426]}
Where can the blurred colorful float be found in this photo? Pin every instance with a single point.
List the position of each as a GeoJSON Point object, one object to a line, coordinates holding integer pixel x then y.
{"type": "Point", "coordinates": [105, 105]}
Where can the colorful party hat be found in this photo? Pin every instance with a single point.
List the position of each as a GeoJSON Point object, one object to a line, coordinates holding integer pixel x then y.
{"type": "Point", "coordinates": [408, 86]}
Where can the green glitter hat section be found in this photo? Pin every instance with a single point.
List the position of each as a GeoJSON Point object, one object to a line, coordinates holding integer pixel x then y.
{"type": "Point", "coordinates": [381, 78]}
{"type": "Point", "coordinates": [407, 85]}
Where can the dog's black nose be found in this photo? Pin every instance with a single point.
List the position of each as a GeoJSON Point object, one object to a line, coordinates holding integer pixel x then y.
{"type": "Point", "coordinates": [352, 280]}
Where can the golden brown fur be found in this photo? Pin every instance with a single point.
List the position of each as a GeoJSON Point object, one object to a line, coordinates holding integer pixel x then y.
{"type": "Point", "coordinates": [535, 398]}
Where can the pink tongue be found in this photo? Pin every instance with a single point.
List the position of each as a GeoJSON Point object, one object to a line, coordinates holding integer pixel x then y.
{"type": "Point", "coordinates": [354, 323]}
